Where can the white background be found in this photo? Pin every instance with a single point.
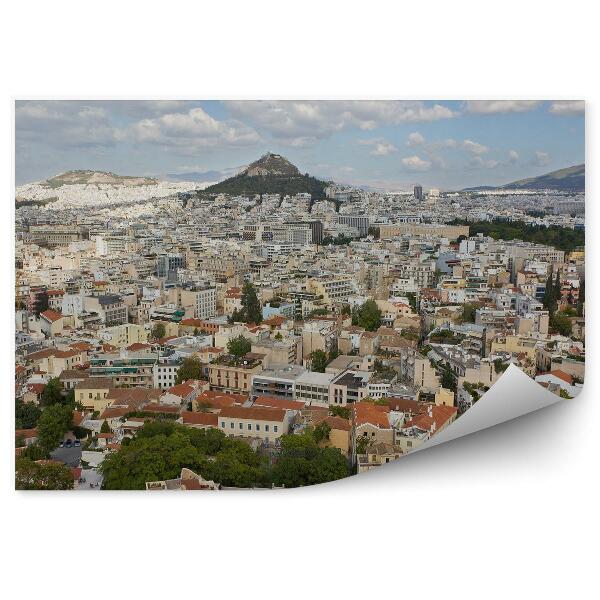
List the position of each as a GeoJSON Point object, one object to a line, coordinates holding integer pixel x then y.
{"type": "Point", "coordinates": [507, 513]}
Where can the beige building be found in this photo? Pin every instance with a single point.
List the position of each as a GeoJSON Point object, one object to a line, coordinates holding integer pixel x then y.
{"type": "Point", "coordinates": [93, 392]}
{"type": "Point", "coordinates": [268, 424]}
{"type": "Point", "coordinates": [122, 336]}
{"type": "Point", "coordinates": [233, 376]}
{"type": "Point", "coordinates": [452, 232]}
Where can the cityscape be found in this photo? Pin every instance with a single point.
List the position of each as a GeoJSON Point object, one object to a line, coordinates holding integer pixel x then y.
{"type": "Point", "coordinates": [244, 312]}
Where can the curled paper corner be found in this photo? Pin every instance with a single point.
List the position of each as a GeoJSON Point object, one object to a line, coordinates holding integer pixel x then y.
{"type": "Point", "coordinates": [513, 395]}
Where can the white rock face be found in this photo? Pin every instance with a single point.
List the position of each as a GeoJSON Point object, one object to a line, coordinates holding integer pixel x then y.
{"type": "Point", "coordinates": [102, 194]}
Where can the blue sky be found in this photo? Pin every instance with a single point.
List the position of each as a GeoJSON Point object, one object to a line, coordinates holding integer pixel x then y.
{"type": "Point", "coordinates": [384, 144]}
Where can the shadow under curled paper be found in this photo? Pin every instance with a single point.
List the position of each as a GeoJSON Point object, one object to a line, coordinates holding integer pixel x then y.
{"type": "Point", "coordinates": [513, 395]}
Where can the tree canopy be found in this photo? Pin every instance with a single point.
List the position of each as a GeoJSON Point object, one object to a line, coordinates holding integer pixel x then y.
{"type": "Point", "coordinates": [30, 475]}
{"type": "Point", "coordinates": [52, 393]}
{"type": "Point", "coordinates": [239, 346]}
{"type": "Point", "coordinates": [367, 316]}
{"type": "Point", "coordinates": [191, 368]}
{"type": "Point", "coordinates": [53, 423]}
{"type": "Point", "coordinates": [318, 361]}
{"type": "Point", "coordinates": [158, 331]}
{"type": "Point", "coordinates": [27, 414]}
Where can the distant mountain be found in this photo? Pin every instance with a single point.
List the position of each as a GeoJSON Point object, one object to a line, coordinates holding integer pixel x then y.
{"type": "Point", "coordinates": [96, 177]}
{"type": "Point", "coordinates": [270, 174]}
{"type": "Point", "coordinates": [571, 179]}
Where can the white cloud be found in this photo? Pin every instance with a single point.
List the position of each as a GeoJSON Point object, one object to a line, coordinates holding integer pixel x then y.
{"type": "Point", "coordinates": [192, 131]}
{"type": "Point", "coordinates": [513, 156]}
{"type": "Point", "coordinates": [415, 163]}
{"type": "Point", "coordinates": [415, 139]}
{"type": "Point", "coordinates": [478, 162]}
{"type": "Point", "coordinates": [541, 158]}
{"type": "Point", "coordinates": [567, 107]}
{"type": "Point", "coordinates": [381, 147]}
{"type": "Point", "coordinates": [307, 121]}
{"type": "Point", "coordinates": [490, 107]}
{"type": "Point", "coordinates": [474, 147]}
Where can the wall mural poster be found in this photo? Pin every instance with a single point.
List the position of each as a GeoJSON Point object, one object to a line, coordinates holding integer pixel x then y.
{"type": "Point", "coordinates": [216, 295]}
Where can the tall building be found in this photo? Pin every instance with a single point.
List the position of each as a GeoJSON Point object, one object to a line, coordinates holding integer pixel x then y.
{"type": "Point", "coordinates": [361, 222]}
{"type": "Point", "coordinates": [418, 192]}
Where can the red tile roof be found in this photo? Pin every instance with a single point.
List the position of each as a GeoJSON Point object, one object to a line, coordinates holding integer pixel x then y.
{"type": "Point", "coordinates": [255, 414]}
{"type": "Point", "coordinates": [51, 315]}
{"type": "Point", "coordinates": [271, 402]}
{"type": "Point", "coordinates": [199, 418]}
{"type": "Point", "coordinates": [562, 375]}
{"type": "Point", "coordinates": [370, 413]}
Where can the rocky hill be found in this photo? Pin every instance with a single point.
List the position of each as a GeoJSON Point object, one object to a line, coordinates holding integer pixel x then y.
{"type": "Point", "coordinates": [270, 174]}
{"type": "Point", "coordinates": [96, 177]}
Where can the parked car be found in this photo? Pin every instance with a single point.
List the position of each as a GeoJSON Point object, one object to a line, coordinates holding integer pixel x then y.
{"type": "Point", "coordinates": [77, 443]}
{"type": "Point", "coordinates": [68, 444]}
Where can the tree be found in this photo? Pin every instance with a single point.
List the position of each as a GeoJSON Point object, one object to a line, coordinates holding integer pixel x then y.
{"type": "Point", "coordinates": [318, 361]}
{"type": "Point", "coordinates": [549, 299]}
{"type": "Point", "coordinates": [562, 323]}
{"type": "Point", "coordinates": [26, 414]}
{"type": "Point", "coordinates": [239, 346]}
{"type": "Point", "coordinates": [321, 432]}
{"type": "Point", "coordinates": [468, 313]}
{"type": "Point", "coordinates": [30, 475]}
{"type": "Point", "coordinates": [412, 300]}
{"type": "Point", "coordinates": [105, 428]}
{"type": "Point", "coordinates": [52, 393]}
{"type": "Point", "coordinates": [41, 303]}
{"type": "Point", "coordinates": [251, 310]}
{"type": "Point", "coordinates": [581, 299]}
{"type": "Point", "coordinates": [191, 368]}
{"type": "Point", "coordinates": [339, 411]}
{"type": "Point", "coordinates": [158, 331]}
{"type": "Point", "coordinates": [369, 316]}
{"type": "Point", "coordinates": [54, 422]}
{"type": "Point", "coordinates": [362, 444]}
{"type": "Point", "coordinates": [448, 380]}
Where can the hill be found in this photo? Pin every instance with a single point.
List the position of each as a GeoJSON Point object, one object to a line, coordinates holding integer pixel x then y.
{"type": "Point", "coordinates": [270, 174]}
{"type": "Point", "coordinates": [571, 179]}
{"type": "Point", "coordinates": [96, 178]}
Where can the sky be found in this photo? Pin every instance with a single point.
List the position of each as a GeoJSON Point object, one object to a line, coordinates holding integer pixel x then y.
{"type": "Point", "coordinates": [384, 144]}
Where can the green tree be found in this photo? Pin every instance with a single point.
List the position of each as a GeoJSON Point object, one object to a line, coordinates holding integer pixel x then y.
{"type": "Point", "coordinates": [54, 422]}
{"type": "Point", "coordinates": [321, 432]}
{"type": "Point", "coordinates": [412, 300]}
{"type": "Point", "coordinates": [105, 428]}
{"type": "Point", "coordinates": [191, 368]}
{"type": "Point", "coordinates": [239, 346]}
{"type": "Point", "coordinates": [369, 316]}
{"type": "Point", "coordinates": [30, 475]}
{"type": "Point", "coordinates": [158, 331]}
{"type": "Point", "coordinates": [448, 379]}
{"type": "Point", "coordinates": [561, 323]}
{"type": "Point", "coordinates": [251, 309]}
{"type": "Point", "coordinates": [52, 393]}
{"type": "Point", "coordinates": [318, 361]}
{"type": "Point", "coordinates": [339, 411]}
{"type": "Point", "coordinates": [27, 414]}
{"type": "Point", "coordinates": [581, 299]}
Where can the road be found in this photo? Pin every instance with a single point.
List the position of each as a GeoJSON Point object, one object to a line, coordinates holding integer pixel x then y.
{"type": "Point", "coordinates": [69, 456]}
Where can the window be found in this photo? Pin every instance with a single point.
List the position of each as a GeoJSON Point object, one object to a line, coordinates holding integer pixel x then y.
{"type": "Point", "coordinates": [249, 426]}
{"type": "Point", "coordinates": [241, 426]}
{"type": "Point", "coordinates": [275, 428]}
{"type": "Point", "coordinates": [257, 427]}
{"type": "Point", "coordinates": [266, 428]}
{"type": "Point", "coordinates": [232, 424]}
{"type": "Point", "coordinates": [223, 424]}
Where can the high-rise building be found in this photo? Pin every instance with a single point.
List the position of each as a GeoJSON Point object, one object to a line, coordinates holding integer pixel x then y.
{"type": "Point", "coordinates": [418, 192]}
{"type": "Point", "coordinates": [361, 222]}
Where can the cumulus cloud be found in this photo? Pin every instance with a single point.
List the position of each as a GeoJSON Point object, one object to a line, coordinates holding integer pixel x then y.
{"type": "Point", "coordinates": [415, 139]}
{"type": "Point", "coordinates": [513, 157]}
{"type": "Point", "coordinates": [192, 131]}
{"type": "Point", "coordinates": [474, 147]}
{"type": "Point", "coordinates": [380, 147]}
{"type": "Point", "coordinates": [416, 163]}
{"type": "Point", "coordinates": [301, 123]}
{"type": "Point", "coordinates": [567, 108]}
{"type": "Point", "coordinates": [490, 107]}
{"type": "Point", "coordinates": [65, 124]}
{"type": "Point", "coordinates": [541, 159]}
